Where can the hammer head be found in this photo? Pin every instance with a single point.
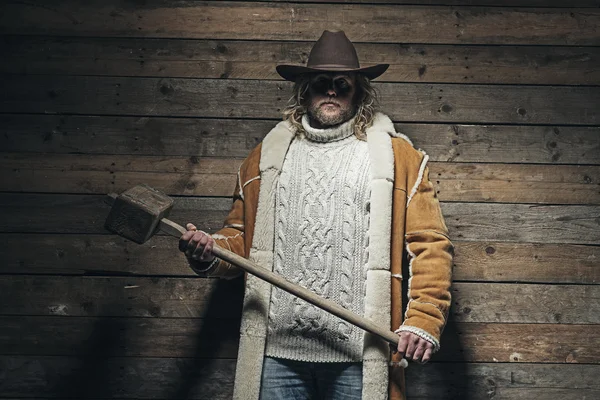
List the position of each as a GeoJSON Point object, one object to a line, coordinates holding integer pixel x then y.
{"type": "Point", "coordinates": [136, 213]}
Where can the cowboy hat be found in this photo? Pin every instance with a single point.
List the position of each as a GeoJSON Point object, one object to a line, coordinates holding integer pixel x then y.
{"type": "Point", "coordinates": [332, 52]}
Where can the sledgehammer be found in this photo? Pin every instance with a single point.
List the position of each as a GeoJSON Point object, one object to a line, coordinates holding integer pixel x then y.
{"type": "Point", "coordinates": [138, 213]}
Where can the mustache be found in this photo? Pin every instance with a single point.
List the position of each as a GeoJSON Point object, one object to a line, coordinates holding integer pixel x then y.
{"type": "Point", "coordinates": [328, 101]}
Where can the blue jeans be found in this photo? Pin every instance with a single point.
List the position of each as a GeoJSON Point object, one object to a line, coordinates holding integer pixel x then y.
{"type": "Point", "coordinates": [292, 380]}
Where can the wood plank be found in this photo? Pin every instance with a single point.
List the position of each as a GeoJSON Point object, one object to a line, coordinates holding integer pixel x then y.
{"type": "Point", "coordinates": [179, 337]}
{"type": "Point", "coordinates": [104, 255]}
{"type": "Point", "coordinates": [87, 213]}
{"type": "Point", "coordinates": [507, 144]}
{"type": "Point", "coordinates": [196, 298]}
{"type": "Point", "coordinates": [505, 3]}
{"type": "Point", "coordinates": [173, 378]}
{"type": "Point", "coordinates": [121, 297]}
{"type": "Point", "coordinates": [572, 224]}
{"type": "Point", "coordinates": [543, 343]}
{"type": "Point", "coordinates": [117, 377]}
{"type": "Point", "coordinates": [506, 381]}
{"type": "Point", "coordinates": [103, 174]}
{"type": "Point", "coordinates": [234, 59]}
{"type": "Point", "coordinates": [95, 255]}
{"type": "Point", "coordinates": [236, 137]}
{"type": "Point", "coordinates": [265, 99]}
{"type": "Point", "coordinates": [546, 184]}
{"type": "Point", "coordinates": [137, 135]}
{"type": "Point", "coordinates": [523, 223]}
{"type": "Point", "coordinates": [526, 262]}
{"type": "Point", "coordinates": [131, 337]}
{"type": "Point", "coordinates": [516, 183]}
{"type": "Point", "coordinates": [487, 302]}
{"type": "Point", "coordinates": [284, 21]}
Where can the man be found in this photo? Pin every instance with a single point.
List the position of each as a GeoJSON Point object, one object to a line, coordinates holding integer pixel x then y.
{"type": "Point", "coordinates": [329, 200]}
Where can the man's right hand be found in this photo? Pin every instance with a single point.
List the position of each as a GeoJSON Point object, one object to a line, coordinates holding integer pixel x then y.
{"type": "Point", "coordinates": [196, 245]}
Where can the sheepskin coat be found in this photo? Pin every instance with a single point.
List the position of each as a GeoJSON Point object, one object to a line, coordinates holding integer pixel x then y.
{"type": "Point", "coordinates": [404, 215]}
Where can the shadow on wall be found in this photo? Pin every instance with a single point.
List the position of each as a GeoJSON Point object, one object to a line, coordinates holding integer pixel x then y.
{"type": "Point", "coordinates": [204, 376]}
{"type": "Point", "coordinates": [107, 370]}
{"type": "Point", "coordinates": [93, 373]}
{"type": "Point", "coordinates": [441, 380]}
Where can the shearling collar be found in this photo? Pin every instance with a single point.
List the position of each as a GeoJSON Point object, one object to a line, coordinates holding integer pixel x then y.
{"type": "Point", "coordinates": [277, 141]}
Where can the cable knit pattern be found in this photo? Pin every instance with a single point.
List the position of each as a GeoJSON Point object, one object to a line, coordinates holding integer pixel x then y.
{"type": "Point", "coordinates": [322, 220]}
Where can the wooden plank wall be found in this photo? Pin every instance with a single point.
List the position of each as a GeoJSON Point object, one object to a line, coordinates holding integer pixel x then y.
{"type": "Point", "coordinates": [102, 95]}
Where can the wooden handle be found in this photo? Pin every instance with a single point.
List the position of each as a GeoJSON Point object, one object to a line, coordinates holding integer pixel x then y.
{"type": "Point", "coordinates": [171, 228]}
{"type": "Point", "coordinates": [177, 230]}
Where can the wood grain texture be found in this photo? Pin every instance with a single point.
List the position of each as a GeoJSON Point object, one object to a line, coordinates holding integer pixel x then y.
{"type": "Point", "coordinates": [218, 338]}
{"type": "Point", "coordinates": [265, 99]}
{"type": "Point", "coordinates": [237, 137]}
{"type": "Point", "coordinates": [523, 223]}
{"type": "Point", "coordinates": [87, 213]}
{"type": "Point", "coordinates": [117, 377]}
{"type": "Point", "coordinates": [58, 213]}
{"type": "Point", "coordinates": [526, 262]}
{"type": "Point", "coordinates": [543, 343]}
{"type": "Point", "coordinates": [105, 255]}
{"type": "Point", "coordinates": [516, 183]}
{"type": "Point", "coordinates": [505, 3]}
{"type": "Point", "coordinates": [506, 144]}
{"type": "Point", "coordinates": [174, 378]}
{"type": "Point", "coordinates": [99, 174]}
{"type": "Point", "coordinates": [284, 21]}
{"type": "Point", "coordinates": [197, 298]}
{"type": "Point", "coordinates": [130, 337]}
{"type": "Point", "coordinates": [121, 296]}
{"type": "Point", "coordinates": [506, 381]}
{"type": "Point", "coordinates": [98, 96]}
{"type": "Point", "coordinates": [487, 302]}
{"type": "Point", "coordinates": [94, 255]}
{"type": "Point", "coordinates": [257, 60]}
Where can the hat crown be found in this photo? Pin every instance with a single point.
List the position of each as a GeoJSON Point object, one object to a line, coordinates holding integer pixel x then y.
{"type": "Point", "coordinates": [333, 49]}
{"type": "Point", "coordinates": [333, 52]}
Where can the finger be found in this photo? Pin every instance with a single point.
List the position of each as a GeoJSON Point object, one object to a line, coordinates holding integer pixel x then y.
{"type": "Point", "coordinates": [207, 253]}
{"type": "Point", "coordinates": [420, 350]}
{"type": "Point", "coordinates": [412, 345]}
{"type": "Point", "coordinates": [192, 245]}
{"type": "Point", "coordinates": [427, 355]}
{"type": "Point", "coordinates": [402, 344]}
{"type": "Point", "coordinates": [200, 251]}
{"type": "Point", "coordinates": [184, 242]}
{"type": "Point", "coordinates": [201, 239]}
{"type": "Point", "coordinates": [186, 236]}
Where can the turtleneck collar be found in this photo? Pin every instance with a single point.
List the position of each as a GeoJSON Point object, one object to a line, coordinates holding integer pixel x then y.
{"type": "Point", "coordinates": [332, 134]}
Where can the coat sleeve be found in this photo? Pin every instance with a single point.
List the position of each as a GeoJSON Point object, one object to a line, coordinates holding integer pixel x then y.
{"type": "Point", "coordinates": [430, 254]}
{"type": "Point", "coordinates": [230, 237]}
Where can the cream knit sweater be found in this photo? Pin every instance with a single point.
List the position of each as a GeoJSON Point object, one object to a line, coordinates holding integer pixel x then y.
{"type": "Point", "coordinates": [321, 241]}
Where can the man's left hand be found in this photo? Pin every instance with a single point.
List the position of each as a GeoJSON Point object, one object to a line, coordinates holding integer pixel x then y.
{"type": "Point", "coordinates": [414, 347]}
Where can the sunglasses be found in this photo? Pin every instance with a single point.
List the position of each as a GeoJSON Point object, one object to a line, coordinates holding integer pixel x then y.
{"type": "Point", "coordinates": [322, 84]}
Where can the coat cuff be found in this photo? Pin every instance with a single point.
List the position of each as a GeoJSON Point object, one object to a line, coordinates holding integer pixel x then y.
{"type": "Point", "coordinates": [421, 333]}
{"type": "Point", "coordinates": [203, 268]}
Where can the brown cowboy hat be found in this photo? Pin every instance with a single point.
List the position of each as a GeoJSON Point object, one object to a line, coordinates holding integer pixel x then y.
{"type": "Point", "coordinates": [332, 52]}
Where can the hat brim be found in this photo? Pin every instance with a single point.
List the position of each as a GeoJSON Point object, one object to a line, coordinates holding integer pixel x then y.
{"type": "Point", "coordinates": [291, 72]}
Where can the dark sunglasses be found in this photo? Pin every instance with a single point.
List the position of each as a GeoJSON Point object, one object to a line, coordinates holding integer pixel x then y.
{"type": "Point", "coordinates": [322, 84]}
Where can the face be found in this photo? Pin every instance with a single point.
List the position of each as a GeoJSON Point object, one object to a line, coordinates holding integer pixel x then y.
{"type": "Point", "coordinates": [331, 100]}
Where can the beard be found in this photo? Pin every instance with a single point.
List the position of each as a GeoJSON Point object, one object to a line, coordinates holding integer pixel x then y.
{"type": "Point", "coordinates": [328, 119]}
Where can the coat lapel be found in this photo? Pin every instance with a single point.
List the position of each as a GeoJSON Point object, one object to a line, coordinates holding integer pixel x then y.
{"type": "Point", "coordinates": [255, 311]}
{"type": "Point", "coordinates": [377, 298]}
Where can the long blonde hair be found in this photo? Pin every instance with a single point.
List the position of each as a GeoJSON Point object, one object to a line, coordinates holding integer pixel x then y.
{"type": "Point", "coordinates": [367, 103]}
